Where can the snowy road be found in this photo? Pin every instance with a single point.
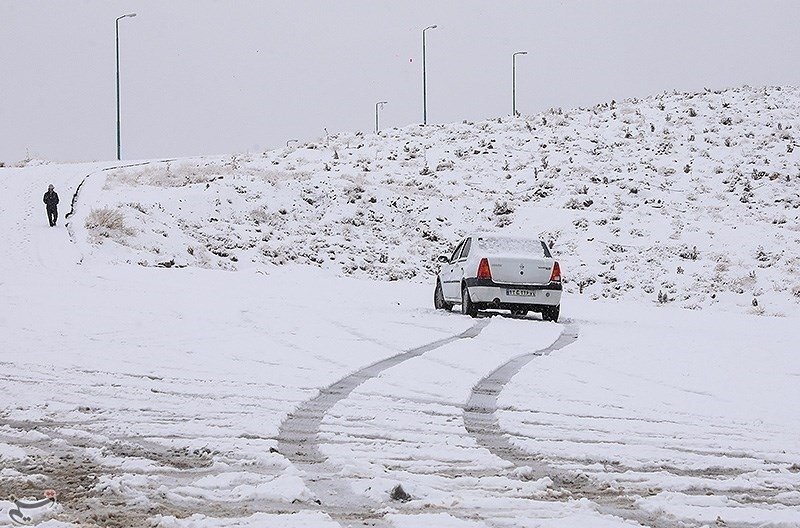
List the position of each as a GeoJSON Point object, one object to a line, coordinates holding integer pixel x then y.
{"type": "Point", "coordinates": [298, 437]}
{"type": "Point", "coordinates": [190, 397]}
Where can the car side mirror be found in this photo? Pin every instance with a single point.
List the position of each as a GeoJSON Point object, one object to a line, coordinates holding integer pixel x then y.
{"type": "Point", "coordinates": [443, 258]}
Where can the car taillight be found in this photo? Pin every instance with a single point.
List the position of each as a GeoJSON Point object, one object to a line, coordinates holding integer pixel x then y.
{"type": "Point", "coordinates": [556, 275]}
{"type": "Point", "coordinates": [484, 271]}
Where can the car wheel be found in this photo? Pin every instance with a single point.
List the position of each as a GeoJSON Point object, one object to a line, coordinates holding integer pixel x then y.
{"type": "Point", "coordinates": [438, 299]}
{"type": "Point", "coordinates": [551, 313]}
{"type": "Point", "coordinates": [519, 312]}
{"type": "Point", "coordinates": [467, 306]}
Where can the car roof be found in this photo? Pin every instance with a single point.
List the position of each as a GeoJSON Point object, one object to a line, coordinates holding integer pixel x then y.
{"type": "Point", "coordinates": [503, 237]}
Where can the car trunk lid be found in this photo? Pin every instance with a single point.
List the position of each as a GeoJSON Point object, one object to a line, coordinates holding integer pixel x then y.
{"type": "Point", "coordinates": [514, 269]}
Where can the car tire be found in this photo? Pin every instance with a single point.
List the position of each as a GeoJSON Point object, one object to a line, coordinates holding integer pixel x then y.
{"type": "Point", "coordinates": [551, 313]}
{"type": "Point", "coordinates": [467, 306]}
{"type": "Point", "coordinates": [438, 299]}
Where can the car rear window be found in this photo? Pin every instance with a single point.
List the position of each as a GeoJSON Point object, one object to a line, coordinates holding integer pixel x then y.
{"type": "Point", "coordinates": [514, 246]}
{"type": "Point", "coordinates": [456, 252]}
{"type": "Point", "coordinates": [465, 251]}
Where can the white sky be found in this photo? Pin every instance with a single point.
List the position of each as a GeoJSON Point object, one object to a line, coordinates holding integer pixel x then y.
{"type": "Point", "coordinates": [208, 77]}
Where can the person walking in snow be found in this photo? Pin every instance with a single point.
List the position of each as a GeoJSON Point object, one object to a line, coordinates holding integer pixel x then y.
{"type": "Point", "coordinates": [51, 200]}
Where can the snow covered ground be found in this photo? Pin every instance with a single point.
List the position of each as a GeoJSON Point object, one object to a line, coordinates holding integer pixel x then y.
{"type": "Point", "coordinates": [204, 344]}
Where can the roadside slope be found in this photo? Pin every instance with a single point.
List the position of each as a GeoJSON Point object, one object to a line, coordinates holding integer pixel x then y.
{"type": "Point", "coordinates": [684, 198]}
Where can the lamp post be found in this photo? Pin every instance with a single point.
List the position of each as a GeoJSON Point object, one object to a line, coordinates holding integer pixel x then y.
{"type": "Point", "coordinates": [514, 81]}
{"type": "Point", "coordinates": [119, 157]}
{"type": "Point", "coordinates": [378, 105]}
{"type": "Point", "coordinates": [424, 80]}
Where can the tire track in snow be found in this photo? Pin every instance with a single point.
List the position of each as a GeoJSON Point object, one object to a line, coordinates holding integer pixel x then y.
{"type": "Point", "coordinates": [298, 437]}
{"type": "Point", "coordinates": [479, 414]}
{"type": "Point", "coordinates": [482, 423]}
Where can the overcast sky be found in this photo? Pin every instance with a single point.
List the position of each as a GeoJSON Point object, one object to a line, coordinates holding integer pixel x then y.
{"type": "Point", "coordinates": [214, 77]}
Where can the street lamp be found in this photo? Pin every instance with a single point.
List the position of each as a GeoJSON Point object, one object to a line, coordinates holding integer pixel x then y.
{"type": "Point", "coordinates": [379, 104]}
{"type": "Point", "coordinates": [514, 81]}
{"type": "Point", "coordinates": [118, 133]}
{"type": "Point", "coordinates": [424, 80]}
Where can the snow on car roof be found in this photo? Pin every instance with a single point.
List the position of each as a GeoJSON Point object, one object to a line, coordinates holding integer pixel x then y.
{"type": "Point", "coordinates": [512, 245]}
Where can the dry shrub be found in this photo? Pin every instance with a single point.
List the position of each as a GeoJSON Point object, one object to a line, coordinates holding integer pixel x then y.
{"type": "Point", "coordinates": [108, 223]}
{"type": "Point", "coordinates": [169, 174]}
{"type": "Point", "coordinates": [259, 215]}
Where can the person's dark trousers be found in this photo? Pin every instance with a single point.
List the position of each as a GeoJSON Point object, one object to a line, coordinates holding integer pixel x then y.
{"type": "Point", "coordinates": [52, 215]}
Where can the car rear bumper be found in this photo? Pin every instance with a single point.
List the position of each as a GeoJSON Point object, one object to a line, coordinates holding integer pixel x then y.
{"type": "Point", "coordinates": [487, 293]}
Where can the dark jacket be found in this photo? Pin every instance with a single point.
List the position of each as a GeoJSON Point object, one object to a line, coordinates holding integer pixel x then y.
{"type": "Point", "coordinates": [50, 198]}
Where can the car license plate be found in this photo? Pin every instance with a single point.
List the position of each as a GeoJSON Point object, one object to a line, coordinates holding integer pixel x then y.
{"type": "Point", "coordinates": [522, 293]}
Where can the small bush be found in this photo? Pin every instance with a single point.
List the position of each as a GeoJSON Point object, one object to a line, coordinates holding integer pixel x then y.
{"type": "Point", "coordinates": [502, 208]}
{"type": "Point", "coordinates": [503, 221]}
{"type": "Point", "coordinates": [108, 223]}
{"type": "Point", "coordinates": [584, 283]}
{"type": "Point", "coordinates": [689, 254]}
{"type": "Point", "coordinates": [574, 203]}
{"type": "Point", "coordinates": [139, 207]}
{"type": "Point", "coordinates": [259, 215]}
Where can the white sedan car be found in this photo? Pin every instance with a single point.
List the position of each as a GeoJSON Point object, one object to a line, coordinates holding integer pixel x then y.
{"type": "Point", "coordinates": [492, 272]}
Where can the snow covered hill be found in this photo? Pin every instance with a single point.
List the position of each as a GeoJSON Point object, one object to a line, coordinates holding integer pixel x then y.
{"type": "Point", "coordinates": [686, 198]}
